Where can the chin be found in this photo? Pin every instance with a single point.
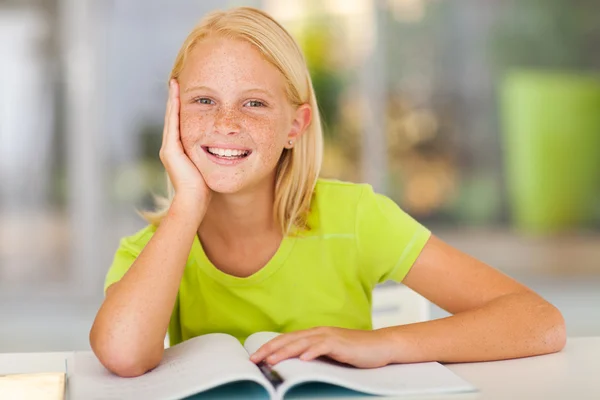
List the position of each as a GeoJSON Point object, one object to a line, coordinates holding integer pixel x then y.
{"type": "Point", "coordinates": [224, 184]}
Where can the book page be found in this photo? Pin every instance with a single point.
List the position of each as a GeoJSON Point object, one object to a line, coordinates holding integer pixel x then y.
{"type": "Point", "coordinates": [397, 379]}
{"type": "Point", "coordinates": [196, 365]}
{"type": "Point", "coordinates": [40, 386]}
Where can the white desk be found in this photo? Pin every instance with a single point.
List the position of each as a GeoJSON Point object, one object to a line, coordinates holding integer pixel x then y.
{"type": "Point", "coordinates": [573, 373]}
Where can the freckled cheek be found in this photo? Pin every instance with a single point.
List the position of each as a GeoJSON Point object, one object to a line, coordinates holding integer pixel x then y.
{"type": "Point", "coordinates": [192, 126]}
{"type": "Point", "coordinates": [270, 140]}
{"type": "Point", "coordinates": [268, 133]}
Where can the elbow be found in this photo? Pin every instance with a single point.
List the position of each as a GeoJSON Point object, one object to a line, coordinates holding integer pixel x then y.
{"type": "Point", "coordinates": [124, 360]}
{"type": "Point", "coordinates": [124, 366]}
{"type": "Point", "coordinates": [555, 332]}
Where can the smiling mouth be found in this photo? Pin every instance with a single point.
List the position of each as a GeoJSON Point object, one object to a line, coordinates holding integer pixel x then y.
{"type": "Point", "coordinates": [227, 154]}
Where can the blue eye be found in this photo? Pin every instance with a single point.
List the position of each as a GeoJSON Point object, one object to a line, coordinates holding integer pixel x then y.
{"type": "Point", "coordinates": [204, 100]}
{"type": "Point", "coordinates": [255, 103]}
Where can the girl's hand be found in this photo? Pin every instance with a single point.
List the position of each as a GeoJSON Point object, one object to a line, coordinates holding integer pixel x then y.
{"type": "Point", "coordinates": [185, 177]}
{"type": "Point", "coordinates": [362, 349]}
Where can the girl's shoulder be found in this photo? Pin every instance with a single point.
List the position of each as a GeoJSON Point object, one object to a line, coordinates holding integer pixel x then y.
{"type": "Point", "coordinates": [136, 242]}
{"type": "Point", "coordinates": [353, 204]}
{"type": "Point", "coordinates": [332, 189]}
{"type": "Point", "coordinates": [336, 204]}
{"type": "Point", "coordinates": [343, 195]}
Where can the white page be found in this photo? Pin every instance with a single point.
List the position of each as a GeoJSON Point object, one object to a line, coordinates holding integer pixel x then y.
{"type": "Point", "coordinates": [254, 341]}
{"type": "Point", "coordinates": [397, 379]}
{"type": "Point", "coordinates": [190, 367]}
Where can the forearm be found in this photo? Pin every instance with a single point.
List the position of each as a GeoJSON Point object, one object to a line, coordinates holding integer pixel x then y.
{"type": "Point", "coordinates": [512, 326]}
{"type": "Point", "coordinates": [129, 330]}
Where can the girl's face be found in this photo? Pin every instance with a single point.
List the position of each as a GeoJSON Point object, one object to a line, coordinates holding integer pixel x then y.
{"type": "Point", "coordinates": [235, 118]}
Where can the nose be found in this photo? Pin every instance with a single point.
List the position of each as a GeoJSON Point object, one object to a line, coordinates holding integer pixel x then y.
{"type": "Point", "coordinates": [227, 121]}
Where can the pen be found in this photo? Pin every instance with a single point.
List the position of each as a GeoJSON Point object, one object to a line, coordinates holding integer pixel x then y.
{"type": "Point", "coordinates": [270, 374]}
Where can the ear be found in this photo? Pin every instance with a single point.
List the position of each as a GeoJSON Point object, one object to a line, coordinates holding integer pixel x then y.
{"type": "Point", "coordinates": [302, 119]}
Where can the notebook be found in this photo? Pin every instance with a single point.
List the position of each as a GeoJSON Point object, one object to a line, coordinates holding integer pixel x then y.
{"type": "Point", "coordinates": [218, 366]}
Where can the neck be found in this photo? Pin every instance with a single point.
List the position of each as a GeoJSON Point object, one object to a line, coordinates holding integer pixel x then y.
{"type": "Point", "coordinates": [241, 215]}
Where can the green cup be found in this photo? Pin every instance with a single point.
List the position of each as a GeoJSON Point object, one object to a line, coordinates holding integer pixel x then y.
{"type": "Point", "coordinates": [551, 129]}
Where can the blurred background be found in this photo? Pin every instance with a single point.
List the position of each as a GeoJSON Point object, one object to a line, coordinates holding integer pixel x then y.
{"type": "Point", "coordinates": [481, 118]}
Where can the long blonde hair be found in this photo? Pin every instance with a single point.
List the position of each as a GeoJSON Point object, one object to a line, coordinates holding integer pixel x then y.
{"type": "Point", "coordinates": [299, 167]}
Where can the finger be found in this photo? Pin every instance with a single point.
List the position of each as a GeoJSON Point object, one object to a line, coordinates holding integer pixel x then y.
{"type": "Point", "coordinates": [293, 349]}
{"type": "Point", "coordinates": [167, 114]}
{"type": "Point", "coordinates": [317, 350]}
{"type": "Point", "coordinates": [277, 343]}
{"type": "Point", "coordinates": [173, 124]}
{"type": "Point", "coordinates": [270, 347]}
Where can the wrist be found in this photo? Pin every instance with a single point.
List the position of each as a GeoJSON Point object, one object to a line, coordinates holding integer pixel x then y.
{"type": "Point", "coordinates": [400, 349]}
{"type": "Point", "coordinates": [190, 209]}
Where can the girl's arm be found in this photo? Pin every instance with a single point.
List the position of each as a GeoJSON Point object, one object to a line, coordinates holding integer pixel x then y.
{"type": "Point", "coordinates": [494, 318]}
{"type": "Point", "coordinates": [129, 330]}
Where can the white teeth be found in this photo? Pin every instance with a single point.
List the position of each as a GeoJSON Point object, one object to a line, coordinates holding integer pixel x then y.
{"type": "Point", "coordinates": [227, 152]}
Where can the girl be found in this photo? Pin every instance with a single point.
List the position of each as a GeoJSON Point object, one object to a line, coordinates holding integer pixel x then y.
{"type": "Point", "coordinates": [251, 240]}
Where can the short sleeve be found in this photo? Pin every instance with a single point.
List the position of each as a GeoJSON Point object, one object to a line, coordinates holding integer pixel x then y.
{"type": "Point", "coordinates": [129, 249]}
{"type": "Point", "coordinates": [388, 239]}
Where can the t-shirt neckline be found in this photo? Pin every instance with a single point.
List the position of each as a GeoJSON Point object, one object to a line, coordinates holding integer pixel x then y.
{"type": "Point", "coordinates": [272, 266]}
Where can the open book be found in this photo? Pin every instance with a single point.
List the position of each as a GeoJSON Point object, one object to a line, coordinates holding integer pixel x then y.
{"type": "Point", "coordinates": [217, 366]}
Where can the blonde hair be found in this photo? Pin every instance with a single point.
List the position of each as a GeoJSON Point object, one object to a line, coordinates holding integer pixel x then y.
{"type": "Point", "coordinates": [298, 168]}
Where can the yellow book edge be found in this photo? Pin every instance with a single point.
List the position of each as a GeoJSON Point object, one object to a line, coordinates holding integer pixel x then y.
{"type": "Point", "coordinates": [39, 386]}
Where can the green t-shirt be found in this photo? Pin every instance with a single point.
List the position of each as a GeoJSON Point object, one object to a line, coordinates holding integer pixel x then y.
{"type": "Point", "coordinates": [321, 277]}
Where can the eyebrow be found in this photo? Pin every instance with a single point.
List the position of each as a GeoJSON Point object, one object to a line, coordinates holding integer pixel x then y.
{"type": "Point", "coordinates": [192, 88]}
{"type": "Point", "coordinates": [201, 87]}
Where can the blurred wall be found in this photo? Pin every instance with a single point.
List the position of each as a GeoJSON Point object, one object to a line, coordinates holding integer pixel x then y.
{"type": "Point", "coordinates": [411, 95]}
